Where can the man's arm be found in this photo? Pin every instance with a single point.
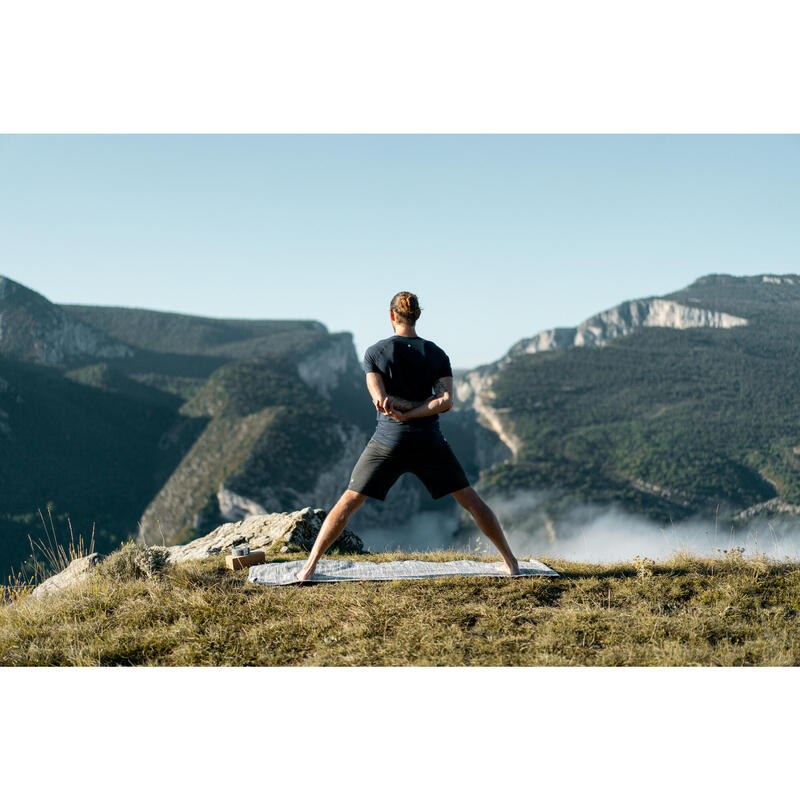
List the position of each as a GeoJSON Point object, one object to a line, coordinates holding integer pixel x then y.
{"type": "Point", "coordinates": [402, 405]}
{"type": "Point", "coordinates": [436, 404]}
{"type": "Point", "coordinates": [381, 400]}
{"type": "Point", "coordinates": [377, 391]}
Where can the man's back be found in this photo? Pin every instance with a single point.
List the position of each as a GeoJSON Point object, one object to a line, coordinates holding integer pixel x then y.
{"type": "Point", "coordinates": [409, 367]}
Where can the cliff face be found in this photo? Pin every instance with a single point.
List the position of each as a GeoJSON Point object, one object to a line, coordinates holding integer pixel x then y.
{"type": "Point", "coordinates": [325, 366]}
{"type": "Point", "coordinates": [34, 329]}
{"type": "Point", "coordinates": [623, 320]}
{"type": "Point", "coordinates": [474, 391]}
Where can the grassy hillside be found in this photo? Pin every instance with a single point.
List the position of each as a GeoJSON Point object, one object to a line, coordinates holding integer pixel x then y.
{"type": "Point", "coordinates": [726, 611]}
{"type": "Point", "coordinates": [670, 422]}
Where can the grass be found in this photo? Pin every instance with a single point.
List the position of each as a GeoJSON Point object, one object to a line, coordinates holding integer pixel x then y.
{"type": "Point", "coordinates": [684, 611]}
{"type": "Point", "coordinates": [48, 557]}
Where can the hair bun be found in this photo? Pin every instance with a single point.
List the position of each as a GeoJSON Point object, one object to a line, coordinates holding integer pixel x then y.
{"type": "Point", "coordinates": [406, 306]}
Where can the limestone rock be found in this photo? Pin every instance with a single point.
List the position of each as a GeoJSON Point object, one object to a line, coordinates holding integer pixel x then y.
{"type": "Point", "coordinates": [324, 366]}
{"type": "Point", "coordinates": [78, 571]}
{"type": "Point", "coordinates": [270, 532]}
{"type": "Point", "coordinates": [624, 319]}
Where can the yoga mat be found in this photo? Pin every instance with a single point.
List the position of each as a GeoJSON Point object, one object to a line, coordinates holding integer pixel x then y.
{"type": "Point", "coordinates": [285, 572]}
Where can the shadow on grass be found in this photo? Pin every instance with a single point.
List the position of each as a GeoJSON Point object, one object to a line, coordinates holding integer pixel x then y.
{"type": "Point", "coordinates": [545, 591]}
{"type": "Point", "coordinates": [594, 571]}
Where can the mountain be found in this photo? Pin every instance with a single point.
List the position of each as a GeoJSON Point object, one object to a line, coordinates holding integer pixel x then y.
{"type": "Point", "coordinates": [673, 406]}
{"type": "Point", "coordinates": [161, 426]}
{"type": "Point", "coordinates": [34, 329]}
{"type": "Point", "coordinates": [286, 416]}
{"type": "Point", "coordinates": [155, 425]}
{"type": "Point", "coordinates": [99, 408]}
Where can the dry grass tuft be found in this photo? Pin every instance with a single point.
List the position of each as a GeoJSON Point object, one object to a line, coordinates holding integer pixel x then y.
{"type": "Point", "coordinates": [17, 587]}
{"type": "Point", "coordinates": [50, 556]}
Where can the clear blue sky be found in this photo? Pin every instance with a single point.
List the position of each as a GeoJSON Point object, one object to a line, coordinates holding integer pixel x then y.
{"type": "Point", "coordinates": [500, 236]}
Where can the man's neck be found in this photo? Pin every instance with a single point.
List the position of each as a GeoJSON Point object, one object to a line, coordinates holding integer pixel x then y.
{"type": "Point", "coordinates": [405, 330]}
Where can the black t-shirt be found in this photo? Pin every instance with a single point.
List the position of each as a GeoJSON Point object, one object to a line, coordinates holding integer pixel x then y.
{"type": "Point", "coordinates": [409, 367]}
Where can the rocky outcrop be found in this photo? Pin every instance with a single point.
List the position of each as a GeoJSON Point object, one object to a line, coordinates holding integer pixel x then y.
{"type": "Point", "coordinates": [34, 329]}
{"type": "Point", "coordinates": [296, 530]}
{"type": "Point", "coordinates": [769, 508]}
{"type": "Point", "coordinates": [77, 572]}
{"type": "Point", "coordinates": [276, 533]}
{"type": "Point", "coordinates": [624, 319]}
{"type": "Point", "coordinates": [780, 280]}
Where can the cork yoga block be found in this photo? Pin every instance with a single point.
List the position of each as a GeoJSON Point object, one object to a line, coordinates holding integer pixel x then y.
{"type": "Point", "coordinates": [240, 562]}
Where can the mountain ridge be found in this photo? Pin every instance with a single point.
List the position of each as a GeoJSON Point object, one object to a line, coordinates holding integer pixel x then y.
{"type": "Point", "coordinates": [153, 422]}
{"type": "Point", "coordinates": [34, 329]}
{"type": "Point", "coordinates": [473, 387]}
{"type": "Point", "coordinates": [678, 408]}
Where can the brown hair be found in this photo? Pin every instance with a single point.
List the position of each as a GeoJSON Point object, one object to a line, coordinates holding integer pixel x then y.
{"type": "Point", "coordinates": [406, 306]}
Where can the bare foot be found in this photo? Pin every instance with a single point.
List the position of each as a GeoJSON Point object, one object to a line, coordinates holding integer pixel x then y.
{"type": "Point", "coordinates": [512, 568]}
{"type": "Point", "coordinates": [306, 572]}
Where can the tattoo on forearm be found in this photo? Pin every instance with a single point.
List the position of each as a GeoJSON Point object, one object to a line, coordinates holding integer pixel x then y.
{"type": "Point", "coordinates": [403, 405]}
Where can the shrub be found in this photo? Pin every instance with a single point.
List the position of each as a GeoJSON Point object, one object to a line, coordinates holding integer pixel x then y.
{"type": "Point", "coordinates": [134, 562]}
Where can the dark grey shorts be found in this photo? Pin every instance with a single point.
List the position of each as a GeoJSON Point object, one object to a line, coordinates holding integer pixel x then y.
{"type": "Point", "coordinates": [434, 464]}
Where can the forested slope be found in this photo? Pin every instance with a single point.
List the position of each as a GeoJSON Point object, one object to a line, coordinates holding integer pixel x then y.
{"type": "Point", "coordinates": [672, 422]}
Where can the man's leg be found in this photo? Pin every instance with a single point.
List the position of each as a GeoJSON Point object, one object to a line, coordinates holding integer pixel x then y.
{"type": "Point", "coordinates": [331, 528]}
{"type": "Point", "coordinates": [470, 500]}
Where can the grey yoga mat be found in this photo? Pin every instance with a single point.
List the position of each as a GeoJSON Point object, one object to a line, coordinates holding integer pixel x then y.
{"type": "Point", "coordinates": [285, 572]}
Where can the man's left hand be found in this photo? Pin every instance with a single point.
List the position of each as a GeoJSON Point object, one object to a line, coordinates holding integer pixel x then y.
{"type": "Point", "coordinates": [395, 413]}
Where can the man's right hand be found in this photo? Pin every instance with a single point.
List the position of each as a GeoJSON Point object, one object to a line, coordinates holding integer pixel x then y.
{"type": "Point", "coordinates": [381, 402]}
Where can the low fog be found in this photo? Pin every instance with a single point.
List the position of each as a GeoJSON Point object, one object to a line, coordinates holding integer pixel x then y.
{"type": "Point", "coordinates": [583, 533]}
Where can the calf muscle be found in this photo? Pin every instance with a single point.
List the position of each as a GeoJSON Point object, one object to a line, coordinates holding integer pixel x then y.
{"type": "Point", "coordinates": [488, 523]}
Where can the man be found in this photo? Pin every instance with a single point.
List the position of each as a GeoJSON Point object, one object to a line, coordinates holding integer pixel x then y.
{"type": "Point", "coordinates": [411, 383]}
